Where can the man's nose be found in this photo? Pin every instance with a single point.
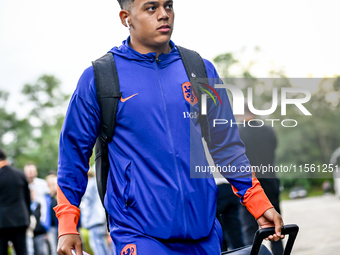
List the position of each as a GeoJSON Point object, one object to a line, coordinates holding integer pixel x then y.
{"type": "Point", "coordinates": [163, 14]}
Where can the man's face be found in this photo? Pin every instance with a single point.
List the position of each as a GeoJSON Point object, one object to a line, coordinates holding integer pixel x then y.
{"type": "Point", "coordinates": [151, 22]}
{"type": "Point", "coordinates": [52, 184]}
{"type": "Point", "coordinates": [30, 172]}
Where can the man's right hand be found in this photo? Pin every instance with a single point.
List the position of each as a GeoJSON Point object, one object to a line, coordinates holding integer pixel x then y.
{"type": "Point", "coordinates": [67, 243]}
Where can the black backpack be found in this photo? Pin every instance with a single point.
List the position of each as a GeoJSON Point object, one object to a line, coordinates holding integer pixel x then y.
{"type": "Point", "coordinates": [108, 95]}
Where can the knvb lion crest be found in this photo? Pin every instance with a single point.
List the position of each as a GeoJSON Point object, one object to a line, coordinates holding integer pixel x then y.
{"type": "Point", "coordinates": [129, 249]}
{"type": "Point", "coordinates": [189, 93]}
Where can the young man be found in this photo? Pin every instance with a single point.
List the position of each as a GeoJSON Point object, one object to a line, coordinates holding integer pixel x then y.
{"type": "Point", "coordinates": [154, 206]}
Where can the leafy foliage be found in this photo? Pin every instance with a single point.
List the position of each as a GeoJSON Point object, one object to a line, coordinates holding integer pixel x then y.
{"type": "Point", "coordinates": [35, 138]}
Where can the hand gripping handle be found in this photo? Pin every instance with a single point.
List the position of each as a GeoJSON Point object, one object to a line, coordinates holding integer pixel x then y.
{"type": "Point", "coordinates": [291, 230]}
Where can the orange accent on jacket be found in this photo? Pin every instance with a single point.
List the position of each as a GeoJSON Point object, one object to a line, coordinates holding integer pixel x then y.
{"type": "Point", "coordinates": [68, 215]}
{"type": "Point", "coordinates": [255, 199]}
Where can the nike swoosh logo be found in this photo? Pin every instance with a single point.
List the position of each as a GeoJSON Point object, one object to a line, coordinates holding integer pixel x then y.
{"type": "Point", "coordinates": [125, 99]}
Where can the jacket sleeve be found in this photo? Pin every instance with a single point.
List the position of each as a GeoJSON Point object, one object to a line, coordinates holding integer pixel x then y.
{"type": "Point", "coordinates": [228, 151]}
{"type": "Point", "coordinates": [77, 138]}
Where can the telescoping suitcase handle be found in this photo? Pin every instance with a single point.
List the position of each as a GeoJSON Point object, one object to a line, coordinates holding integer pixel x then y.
{"type": "Point", "coordinates": [291, 230]}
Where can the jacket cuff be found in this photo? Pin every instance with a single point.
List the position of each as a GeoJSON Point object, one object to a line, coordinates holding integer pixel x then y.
{"type": "Point", "coordinates": [68, 217]}
{"type": "Point", "coordinates": [258, 204]}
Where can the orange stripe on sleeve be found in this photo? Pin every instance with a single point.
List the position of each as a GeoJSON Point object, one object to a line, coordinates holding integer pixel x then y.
{"type": "Point", "coordinates": [255, 199]}
{"type": "Point", "coordinates": [68, 215]}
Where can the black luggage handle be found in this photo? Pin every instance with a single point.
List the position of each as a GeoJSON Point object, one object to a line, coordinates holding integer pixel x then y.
{"type": "Point", "coordinates": [291, 230]}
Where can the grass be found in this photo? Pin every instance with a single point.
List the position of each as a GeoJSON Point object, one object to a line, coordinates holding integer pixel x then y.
{"type": "Point", "coordinates": [85, 238]}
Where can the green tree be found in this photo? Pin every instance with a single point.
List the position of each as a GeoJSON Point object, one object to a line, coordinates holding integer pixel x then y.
{"type": "Point", "coordinates": [35, 138]}
{"type": "Point", "coordinates": [15, 133]}
{"type": "Point", "coordinates": [46, 104]}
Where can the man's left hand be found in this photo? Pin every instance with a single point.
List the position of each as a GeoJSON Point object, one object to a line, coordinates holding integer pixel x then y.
{"type": "Point", "coordinates": [271, 218]}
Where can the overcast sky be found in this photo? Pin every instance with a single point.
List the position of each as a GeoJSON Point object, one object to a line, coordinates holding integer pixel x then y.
{"type": "Point", "coordinates": [63, 37]}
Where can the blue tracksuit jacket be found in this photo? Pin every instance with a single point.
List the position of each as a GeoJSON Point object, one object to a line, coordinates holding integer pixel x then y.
{"type": "Point", "coordinates": [154, 148]}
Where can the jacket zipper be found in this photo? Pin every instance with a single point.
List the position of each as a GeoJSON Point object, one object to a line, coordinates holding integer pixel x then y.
{"type": "Point", "coordinates": [172, 147]}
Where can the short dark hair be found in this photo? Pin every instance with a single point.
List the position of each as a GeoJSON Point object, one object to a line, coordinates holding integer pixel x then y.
{"type": "Point", "coordinates": [2, 155]}
{"type": "Point", "coordinates": [52, 172]}
{"type": "Point", "coordinates": [124, 3]}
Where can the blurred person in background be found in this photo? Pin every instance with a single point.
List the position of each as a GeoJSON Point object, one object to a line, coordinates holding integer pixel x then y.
{"type": "Point", "coordinates": [41, 192]}
{"type": "Point", "coordinates": [14, 207]}
{"type": "Point", "coordinates": [40, 188]}
{"type": "Point", "coordinates": [51, 180]}
{"type": "Point", "coordinates": [30, 235]}
{"type": "Point", "coordinates": [261, 142]}
{"type": "Point", "coordinates": [93, 218]}
{"type": "Point", "coordinates": [40, 238]}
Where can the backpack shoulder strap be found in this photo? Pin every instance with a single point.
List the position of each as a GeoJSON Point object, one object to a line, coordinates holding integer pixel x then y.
{"type": "Point", "coordinates": [193, 63]}
{"type": "Point", "coordinates": [108, 94]}
{"type": "Point", "coordinates": [195, 69]}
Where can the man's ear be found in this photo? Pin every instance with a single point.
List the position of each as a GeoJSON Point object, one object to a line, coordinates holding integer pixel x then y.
{"type": "Point", "coordinates": [124, 17]}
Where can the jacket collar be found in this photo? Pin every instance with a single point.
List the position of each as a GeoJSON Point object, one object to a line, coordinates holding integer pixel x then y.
{"type": "Point", "coordinates": [127, 52]}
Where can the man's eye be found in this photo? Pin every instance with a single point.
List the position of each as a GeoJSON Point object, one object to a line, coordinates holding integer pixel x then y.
{"type": "Point", "coordinates": [169, 6]}
{"type": "Point", "coordinates": [152, 8]}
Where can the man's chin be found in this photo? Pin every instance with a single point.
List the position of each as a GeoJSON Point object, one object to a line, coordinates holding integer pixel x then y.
{"type": "Point", "coordinates": [163, 40]}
